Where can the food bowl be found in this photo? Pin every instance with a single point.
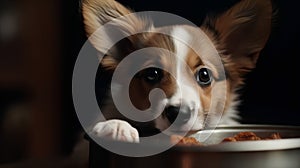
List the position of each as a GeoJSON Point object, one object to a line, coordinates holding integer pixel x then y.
{"type": "Point", "coordinates": [283, 152]}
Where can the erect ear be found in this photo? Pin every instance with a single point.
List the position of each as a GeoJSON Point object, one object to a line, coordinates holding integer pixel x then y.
{"type": "Point", "coordinates": [108, 16]}
{"type": "Point", "coordinates": [242, 31]}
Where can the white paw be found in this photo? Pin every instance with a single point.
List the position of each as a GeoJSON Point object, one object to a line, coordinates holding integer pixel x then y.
{"type": "Point", "coordinates": [117, 130]}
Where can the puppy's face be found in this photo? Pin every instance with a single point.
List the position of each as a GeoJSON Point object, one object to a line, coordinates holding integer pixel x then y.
{"type": "Point", "coordinates": [185, 75]}
{"type": "Point", "coordinates": [193, 82]}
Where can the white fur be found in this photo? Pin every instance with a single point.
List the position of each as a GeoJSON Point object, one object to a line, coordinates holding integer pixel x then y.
{"type": "Point", "coordinates": [185, 92]}
{"type": "Point", "coordinates": [117, 130]}
{"type": "Point", "coordinates": [230, 117]}
{"type": "Point", "coordinates": [181, 51]}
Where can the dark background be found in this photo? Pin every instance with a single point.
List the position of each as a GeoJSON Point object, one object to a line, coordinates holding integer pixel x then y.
{"type": "Point", "coordinates": [39, 43]}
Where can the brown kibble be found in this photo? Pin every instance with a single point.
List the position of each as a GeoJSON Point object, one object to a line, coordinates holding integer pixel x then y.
{"type": "Point", "coordinates": [242, 136]}
{"type": "Point", "coordinates": [273, 136]}
{"type": "Point", "coordinates": [246, 136]}
{"type": "Point", "coordinates": [250, 136]}
{"type": "Point", "coordinates": [175, 138]}
{"type": "Point", "coordinates": [229, 139]}
{"type": "Point", "coordinates": [180, 140]}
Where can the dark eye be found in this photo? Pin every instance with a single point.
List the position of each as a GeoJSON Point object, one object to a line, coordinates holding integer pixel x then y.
{"type": "Point", "coordinates": [203, 76]}
{"type": "Point", "coordinates": [153, 75]}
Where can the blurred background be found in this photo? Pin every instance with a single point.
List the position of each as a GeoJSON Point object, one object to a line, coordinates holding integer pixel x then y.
{"type": "Point", "coordinates": [39, 44]}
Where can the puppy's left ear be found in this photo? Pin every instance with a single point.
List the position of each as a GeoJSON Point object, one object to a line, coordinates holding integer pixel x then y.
{"type": "Point", "coordinates": [106, 22]}
{"type": "Point", "coordinates": [242, 32]}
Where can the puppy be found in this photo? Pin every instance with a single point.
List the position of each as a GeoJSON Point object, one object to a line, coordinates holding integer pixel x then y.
{"type": "Point", "coordinates": [178, 86]}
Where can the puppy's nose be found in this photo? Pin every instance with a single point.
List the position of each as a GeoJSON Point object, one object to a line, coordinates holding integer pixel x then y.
{"type": "Point", "coordinates": [183, 112]}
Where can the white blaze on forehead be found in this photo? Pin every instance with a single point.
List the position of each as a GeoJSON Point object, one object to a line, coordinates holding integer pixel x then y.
{"type": "Point", "coordinates": [182, 37]}
{"type": "Point", "coordinates": [186, 91]}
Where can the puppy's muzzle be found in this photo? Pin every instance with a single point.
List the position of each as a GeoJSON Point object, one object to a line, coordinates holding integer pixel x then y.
{"type": "Point", "coordinates": [182, 112]}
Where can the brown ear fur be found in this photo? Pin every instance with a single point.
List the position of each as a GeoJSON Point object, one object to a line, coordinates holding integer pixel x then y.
{"type": "Point", "coordinates": [242, 32]}
{"type": "Point", "coordinates": [97, 13]}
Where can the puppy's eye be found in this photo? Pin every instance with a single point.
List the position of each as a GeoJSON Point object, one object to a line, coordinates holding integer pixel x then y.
{"type": "Point", "coordinates": [153, 75]}
{"type": "Point", "coordinates": [203, 76]}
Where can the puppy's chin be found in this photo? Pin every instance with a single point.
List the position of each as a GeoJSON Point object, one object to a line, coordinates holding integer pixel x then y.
{"type": "Point", "coordinates": [163, 124]}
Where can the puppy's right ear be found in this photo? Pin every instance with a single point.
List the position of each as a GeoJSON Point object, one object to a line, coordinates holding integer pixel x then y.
{"type": "Point", "coordinates": [241, 33]}
{"type": "Point", "coordinates": [108, 16]}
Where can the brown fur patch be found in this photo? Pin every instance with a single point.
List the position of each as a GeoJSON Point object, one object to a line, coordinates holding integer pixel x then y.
{"type": "Point", "coordinates": [194, 62]}
{"type": "Point", "coordinates": [139, 89]}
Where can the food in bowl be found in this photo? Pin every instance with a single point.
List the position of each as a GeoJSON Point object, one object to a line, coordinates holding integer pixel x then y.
{"type": "Point", "coordinates": [250, 136]}
{"type": "Point", "coordinates": [180, 140]}
{"type": "Point", "coordinates": [241, 136]}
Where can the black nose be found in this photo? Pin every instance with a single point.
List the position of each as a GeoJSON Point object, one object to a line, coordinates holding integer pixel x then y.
{"type": "Point", "coordinates": [183, 112]}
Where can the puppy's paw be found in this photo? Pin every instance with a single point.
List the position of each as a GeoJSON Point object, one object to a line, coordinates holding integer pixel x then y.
{"type": "Point", "coordinates": [117, 130]}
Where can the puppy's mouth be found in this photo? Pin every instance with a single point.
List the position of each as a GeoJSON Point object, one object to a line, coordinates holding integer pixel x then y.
{"type": "Point", "coordinates": [180, 119]}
